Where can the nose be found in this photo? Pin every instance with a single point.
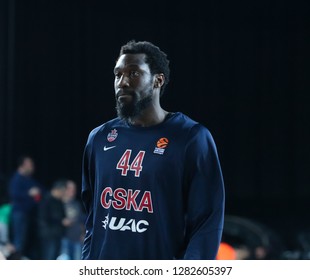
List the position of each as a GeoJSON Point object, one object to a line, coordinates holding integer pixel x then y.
{"type": "Point", "coordinates": [122, 82]}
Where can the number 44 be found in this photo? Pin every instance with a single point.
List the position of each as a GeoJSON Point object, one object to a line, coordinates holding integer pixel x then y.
{"type": "Point", "coordinates": [136, 165]}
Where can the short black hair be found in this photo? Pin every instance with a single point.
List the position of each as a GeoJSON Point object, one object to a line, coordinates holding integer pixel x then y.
{"type": "Point", "coordinates": [21, 159]}
{"type": "Point", "coordinates": [155, 58]}
{"type": "Point", "coordinates": [60, 184]}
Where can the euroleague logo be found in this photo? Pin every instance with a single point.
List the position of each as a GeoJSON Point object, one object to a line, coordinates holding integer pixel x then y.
{"type": "Point", "coordinates": [161, 145]}
{"type": "Point", "coordinates": [112, 135]}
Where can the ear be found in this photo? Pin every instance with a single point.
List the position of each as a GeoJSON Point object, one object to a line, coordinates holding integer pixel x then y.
{"type": "Point", "coordinates": [159, 80]}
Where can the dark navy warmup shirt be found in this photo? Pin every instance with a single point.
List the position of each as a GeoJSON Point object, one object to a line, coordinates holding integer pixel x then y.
{"type": "Point", "coordinates": [152, 192]}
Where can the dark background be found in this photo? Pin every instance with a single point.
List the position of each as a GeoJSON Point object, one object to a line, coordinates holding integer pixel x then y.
{"type": "Point", "coordinates": [240, 68]}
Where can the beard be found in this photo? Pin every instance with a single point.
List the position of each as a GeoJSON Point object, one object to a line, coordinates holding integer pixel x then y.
{"type": "Point", "coordinates": [134, 108]}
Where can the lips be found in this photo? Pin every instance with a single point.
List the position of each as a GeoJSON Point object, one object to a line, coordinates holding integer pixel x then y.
{"type": "Point", "coordinates": [124, 94]}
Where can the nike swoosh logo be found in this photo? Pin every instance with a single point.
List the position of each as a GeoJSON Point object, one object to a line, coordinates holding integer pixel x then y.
{"type": "Point", "coordinates": [108, 148]}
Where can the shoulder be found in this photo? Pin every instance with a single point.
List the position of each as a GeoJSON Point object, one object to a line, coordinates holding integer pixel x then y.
{"type": "Point", "coordinates": [198, 138]}
{"type": "Point", "coordinates": [15, 176]}
{"type": "Point", "coordinates": [194, 128]}
{"type": "Point", "coordinates": [18, 180]}
{"type": "Point", "coordinates": [182, 120]}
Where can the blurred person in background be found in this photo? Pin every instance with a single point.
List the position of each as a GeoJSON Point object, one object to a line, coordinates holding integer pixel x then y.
{"type": "Point", "coordinates": [24, 193]}
{"type": "Point", "coordinates": [5, 214]}
{"type": "Point", "coordinates": [7, 250]}
{"type": "Point", "coordinates": [74, 224]}
{"type": "Point", "coordinates": [52, 220]}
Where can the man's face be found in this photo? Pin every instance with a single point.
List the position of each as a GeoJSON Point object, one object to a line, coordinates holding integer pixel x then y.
{"type": "Point", "coordinates": [28, 166]}
{"type": "Point", "coordinates": [70, 190]}
{"type": "Point", "coordinates": [133, 85]}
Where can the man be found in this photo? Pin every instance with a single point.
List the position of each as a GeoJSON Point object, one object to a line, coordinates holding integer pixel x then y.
{"type": "Point", "coordinates": [52, 220]}
{"type": "Point", "coordinates": [74, 226]}
{"type": "Point", "coordinates": [152, 183]}
{"type": "Point", "coordinates": [25, 194]}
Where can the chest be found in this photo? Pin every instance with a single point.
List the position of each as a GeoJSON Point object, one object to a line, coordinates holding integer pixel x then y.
{"type": "Point", "coordinates": [139, 155]}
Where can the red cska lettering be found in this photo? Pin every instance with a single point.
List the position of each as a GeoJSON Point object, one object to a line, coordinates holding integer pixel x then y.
{"type": "Point", "coordinates": [121, 199]}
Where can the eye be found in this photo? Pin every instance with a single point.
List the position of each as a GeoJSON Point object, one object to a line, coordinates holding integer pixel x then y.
{"type": "Point", "coordinates": [117, 75]}
{"type": "Point", "coordinates": [134, 74]}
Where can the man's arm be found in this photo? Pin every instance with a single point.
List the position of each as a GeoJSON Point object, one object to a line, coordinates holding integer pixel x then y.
{"type": "Point", "coordinates": [88, 226]}
{"type": "Point", "coordinates": [87, 199]}
{"type": "Point", "coordinates": [205, 196]}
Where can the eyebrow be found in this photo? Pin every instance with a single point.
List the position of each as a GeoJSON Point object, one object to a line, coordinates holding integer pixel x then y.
{"type": "Point", "coordinates": [129, 66]}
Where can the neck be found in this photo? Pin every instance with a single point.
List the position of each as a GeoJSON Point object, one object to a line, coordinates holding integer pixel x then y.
{"type": "Point", "coordinates": [149, 117]}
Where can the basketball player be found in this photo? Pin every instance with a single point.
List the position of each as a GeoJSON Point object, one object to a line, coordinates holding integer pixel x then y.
{"type": "Point", "coordinates": [152, 183]}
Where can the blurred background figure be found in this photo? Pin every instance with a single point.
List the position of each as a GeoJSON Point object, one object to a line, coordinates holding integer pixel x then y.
{"type": "Point", "coordinates": [6, 247]}
{"type": "Point", "coordinates": [74, 224]}
{"type": "Point", "coordinates": [25, 194]}
{"type": "Point", "coordinates": [7, 250]}
{"type": "Point", "coordinates": [251, 240]}
{"type": "Point", "coordinates": [52, 219]}
{"type": "Point", "coordinates": [5, 214]}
